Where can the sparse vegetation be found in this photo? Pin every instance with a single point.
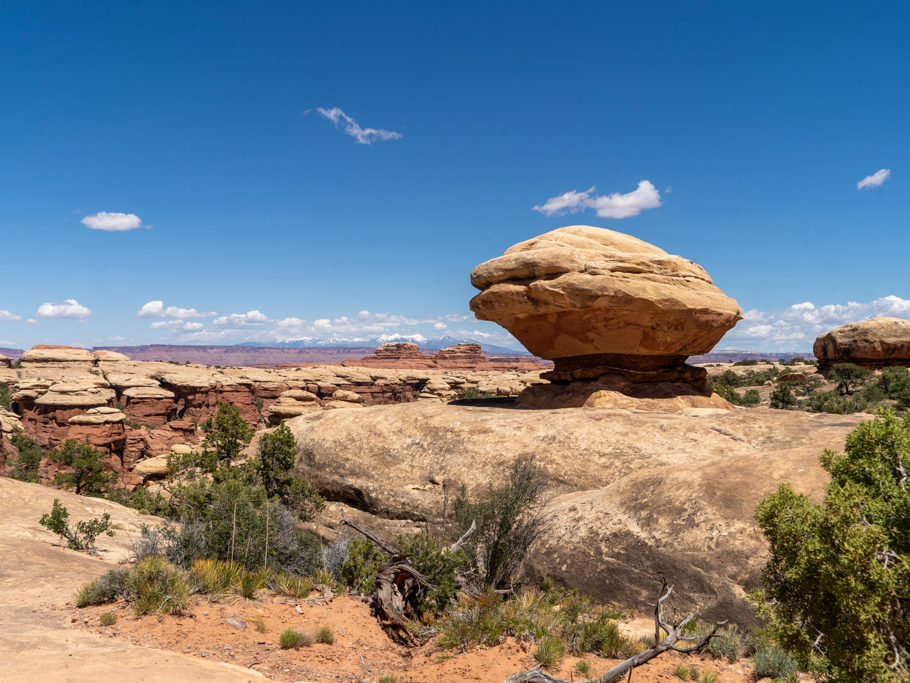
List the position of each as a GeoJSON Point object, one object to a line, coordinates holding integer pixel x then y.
{"type": "Point", "coordinates": [106, 588]}
{"type": "Point", "coordinates": [155, 585]}
{"type": "Point", "coordinates": [730, 644]}
{"type": "Point", "coordinates": [471, 393]}
{"type": "Point", "coordinates": [773, 661]}
{"type": "Point", "coordinates": [837, 581]}
{"type": "Point", "coordinates": [325, 635]}
{"type": "Point", "coordinates": [549, 651]}
{"type": "Point", "coordinates": [28, 460]}
{"type": "Point", "coordinates": [290, 585]}
{"type": "Point", "coordinates": [83, 536]}
{"type": "Point", "coordinates": [6, 402]}
{"type": "Point", "coordinates": [108, 618]}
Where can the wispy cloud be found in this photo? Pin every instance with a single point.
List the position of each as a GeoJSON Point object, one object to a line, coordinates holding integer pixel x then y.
{"type": "Point", "coordinates": [365, 136]}
{"type": "Point", "coordinates": [112, 221]}
{"type": "Point", "coordinates": [797, 326]}
{"type": "Point", "coordinates": [248, 319]}
{"type": "Point", "coordinates": [8, 317]}
{"type": "Point", "coordinates": [615, 205]}
{"type": "Point", "coordinates": [68, 308]}
{"type": "Point", "coordinates": [156, 309]}
{"type": "Point", "coordinates": [180, 325]}
{"type": "Point", "coordinates": [874, 180]}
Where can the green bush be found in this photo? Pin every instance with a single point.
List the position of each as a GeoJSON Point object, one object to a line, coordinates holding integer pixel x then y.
{"type": "Point", "coordinates": [5, 401]}
{"type": "Point", "coordinates": [106, 588]}
{"type": "Point", "coordinates": [155, 585]}
{"type": "Point", "coordinates": [290, 585]}
{"type": "Point", "coordinates": [848, 376]}
{"type": "Point", "coordinates": [773, 661]}
{"type": "Point", "coordinates": [291, 638]}
{"type": "Point", "coordinates": [227, 434]}
{"type": "Point", "coordinates": [359, 570]}
{"type": "Point", "coordinates": [549, 651]}
{"type": "Point", "coordinates": [508, 519]}
{"type": "Point", "coordinates": [782, 398]}
{"type": "Point", "coordinates": [325, 635]}
{"type": "Point", "coordinates": [108, 618]}
{"type": "Point", "coordinates": [84, 535]}
{"type": "Point", "coordinates": [729, 644]}
{"type": "Point", "coordinates": [471, 393]}
{"type": "Point", "coordinates": [831, 402]}
{"type": "Point", "coordinates": [85, 471]}
{"type": "Point", "coordinates": [836, 582]}
{"type": "Point", "coordinates": [438, 566]}
{"type": "Point", "coordinates": [215, 576]}
{"type": "Point", "coordinates": [29, 459]}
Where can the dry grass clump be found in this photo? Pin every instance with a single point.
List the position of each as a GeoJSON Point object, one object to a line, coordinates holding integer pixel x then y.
{"type": "Point", "coordinates": [291, 638]}
{"type": "Point", "coordinates": [216, 576]}
{"type": "Point", "coordinates": [108, 618]}
{"type": "Point", "coordinates": [291, 585]}
{"type": "Point", "coordinates": [155, 585]}
{"type": "Point", "coordinates": [325, 635]}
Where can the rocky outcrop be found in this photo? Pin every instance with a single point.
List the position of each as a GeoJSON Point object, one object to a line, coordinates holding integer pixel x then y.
{"type": "Point", "coordinates": [874, 344]}
{"type": "Point", "coordinates": [407, 355]}
{"type": "Point", "coordinates": [5, 361]}
{"type": "Point", "coordinates": [632, 496]}
{"type": "Point", "coordinates": [135, 410]}
{"type": "Point", "coordinates": [614, 313]}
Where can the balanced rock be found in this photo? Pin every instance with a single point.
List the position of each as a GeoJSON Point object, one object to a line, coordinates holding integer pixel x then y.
{"type": "Point", "coordinates": [613, 312]}
{"type": "Point", "coordinates": [875, 343]}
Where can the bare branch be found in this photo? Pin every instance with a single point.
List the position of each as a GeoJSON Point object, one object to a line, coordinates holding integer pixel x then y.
{"type": "Point", "coordinates": [464, 537]}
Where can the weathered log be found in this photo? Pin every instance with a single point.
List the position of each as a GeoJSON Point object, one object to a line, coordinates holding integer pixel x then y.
{"type": "Point", "coordinates": [625, 667]}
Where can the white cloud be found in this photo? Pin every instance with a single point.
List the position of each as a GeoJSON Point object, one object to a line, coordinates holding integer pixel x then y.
{"type": "Point", "coordinates": [156, 309]}
{"type": "Point", "coordinates": [112, 221]}
{"type": "Point", "coordinates": [365, 136]}
{"type": "Point", "coordinates": [439, 326]}
{"type": "Point", "coordinates": [796, 327]}
{"type": "Point", "coordinates": [250, 318]}
{"type": "Point", "coordinates": [6, 342]}
{"type": "Point", "coordinates": [180, 325]}
{"type": "Point", "coordinates": [8, 317]}
{"type": "Point", "coordinates": [32, 321]}
{"type": "Point", "coordinates": [874, 180]}
{"type": "Point", "coordinates": [615, 205]}
{"type": "Point", "coordinates": [68, 308]}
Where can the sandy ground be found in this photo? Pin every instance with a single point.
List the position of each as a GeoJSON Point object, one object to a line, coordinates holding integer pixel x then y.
{"type": "Point", "coordinates": [44, 637]}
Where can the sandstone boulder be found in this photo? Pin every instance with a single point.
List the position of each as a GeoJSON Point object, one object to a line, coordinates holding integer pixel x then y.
{"type": "Point", "coordinates": [152, 467]}
{"type": "Point", "coordinates": [98, 416]}
{"type": "Point", "coordinates": [5, 361]}
{"type": "Point", "coordinates": [604, 305]}
{"type": "Point", "coordinates": [57, 355]}
{"type": "Point", "coordinates": [875, 343]}
{"type": "Point", "coordinates": [632, 495]}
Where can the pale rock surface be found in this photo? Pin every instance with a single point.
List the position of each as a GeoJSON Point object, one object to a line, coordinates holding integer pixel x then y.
{"type": "Point", "coordinates": [875, 343]}
{"type": "Point", "coordinates": [152, 467]}
{"type": "Point", "coordinates": [632, 494]}
{"type": "Point", "coordinates": [98, 416]}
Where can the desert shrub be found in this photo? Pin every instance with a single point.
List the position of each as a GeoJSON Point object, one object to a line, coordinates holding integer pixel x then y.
{"type": "Point", "coordinates": [359, 570]}
{"type": "Point", "coordinates": [108, 587]}
{"type": "Point", "coordinates": [275, 459]}
{"type": "Point", "coordinates": [549, 651]}
{"type": "Point", "coordinates": [251, 583]}
{"type": "Point", "coordinates": [155, 585]}
{"type": "Point", "coordinates": [471, 393]}
{"type": "Point", "coordinates": [142, 499]}
{"type": "Point", "coordinates": [335, 554]}
{"type": "Point", "coordinates": [773, 661]}
{"type": "Point", "coordinates": [260, 625]}
{"type": "Point", "coordinates": [836, 582]}
{"type": "Point", "coordinates": [782, 398]}
{"type": "Point", "coordinates": [227, 434]}
{"type": "Point", "coordinates": [216, 576]}
{"type": "Point", "coordinates": [325, 635]}
{"type": "Point", "coordinates": [583, 668]}
{"type": "Point", "coordinates": [745, 362]}
{"type": "Point", "coordinates": [5, 401]}
{"type": "Point", "coordinates": [729, 644]}
{"type": "Point", "coordinates": [750, 398]}
{"type": "Point", "coordinates": [83, 536]}
{"type": "Point", "coordinates": [894, 381]}
{"type": "Point", "coordinates": [108, 618]}
{"type": "Point", "coordinates": [388, 678]}
{"type": "Point", "coordinates": [85, 471]}
{"type": "Point", "coordinates": [291, 638]}
{"type": "Point", "coordinates": [682, 672]}
{"type": "Point", "coordinates": [508, 519]}
{"type": "Point", "coordinates": [28, 459]}
{"type": "Point", "coordinates": [831, 402]}
{"type": "Point", "coordinates": [290, 585]}
{"type": "Point", "coordinates": [438, 566]}
{"type": "Point", "coordinates": [848, 376]}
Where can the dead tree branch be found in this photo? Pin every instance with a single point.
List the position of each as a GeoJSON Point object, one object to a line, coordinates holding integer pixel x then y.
{"type": "Point", "coordinates": [624, 668]}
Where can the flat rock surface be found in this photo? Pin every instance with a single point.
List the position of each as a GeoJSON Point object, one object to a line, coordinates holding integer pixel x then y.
{"type": "Point", "coordinates": [38, 578]}
{"type": "Point", "coordinates": [633, 495]}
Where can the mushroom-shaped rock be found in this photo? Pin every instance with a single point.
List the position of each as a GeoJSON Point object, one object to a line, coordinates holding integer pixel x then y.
{"type": "Point", "coordinates": [875, 343]}
{"type": "Point", "coordinates": [5, 361]}
{"type": "Point", "coordinates": [606, 306]}
{"type": "Point", "coordinates": [109, 356]}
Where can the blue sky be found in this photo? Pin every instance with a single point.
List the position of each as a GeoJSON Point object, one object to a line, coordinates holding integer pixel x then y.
{"type": "Point", "coordinates": [751, 124]}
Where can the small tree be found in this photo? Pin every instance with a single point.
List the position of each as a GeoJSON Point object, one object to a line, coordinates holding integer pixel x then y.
{"type": "Point", "coordinates": [86, 468]}
{"type": "Point", "coordinates": [227, 435]}
{"type": "Point", "coordinates": [508, 520]}
{"type": "Point", "coordinates": [84, 535]}
{"type": "Point", "coordinates": [276, 457]}
{"type": "Point", "coordinates": [782, 398]}
{"type": "Point", "coordinates": [837, 585]}
{"type": "Point", "coordinates": [849, 377]}
{"type": "Point", "coordinates": [29, 459]}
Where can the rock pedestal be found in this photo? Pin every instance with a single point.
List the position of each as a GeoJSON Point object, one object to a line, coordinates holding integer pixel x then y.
{"type": "Point", "coordinates": [873, 344]}
{"type": "Point", "coordinates": [612, 312]}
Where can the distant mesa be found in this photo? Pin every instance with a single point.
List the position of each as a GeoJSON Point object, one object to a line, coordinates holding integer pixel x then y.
{"type": "Point", "coordinates": [874, 344]}
{"type": "Point", "coordinates": [407, 355]}
{"type": "Point", "coordinates": [618, 316]}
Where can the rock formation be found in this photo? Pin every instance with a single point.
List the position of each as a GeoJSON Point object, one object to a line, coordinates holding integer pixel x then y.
{"type": "Point", "coordinates": [401, 355]}
{"type": "Point", "coordinates": [614, 313]}
{"type": "Point", "coordinates": [632, 495]}
{"type": "Point", "coordinates": [874, 344]}
{"type": "Point", "coordinates": [5, 361]}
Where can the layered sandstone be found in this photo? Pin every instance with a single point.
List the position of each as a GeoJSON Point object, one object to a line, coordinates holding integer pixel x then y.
{"type": "Point", "coordinates": [874, 344]}
{"type": "Point", "coordinates": [632, 496]}
{"type": "Point", "coordinates": [614, 313]}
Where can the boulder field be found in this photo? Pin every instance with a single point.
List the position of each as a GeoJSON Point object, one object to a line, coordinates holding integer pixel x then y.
{"type": "Point", "coordinates": [632, 496]}
{"type": "Point", "coordinates": [614, 313]}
